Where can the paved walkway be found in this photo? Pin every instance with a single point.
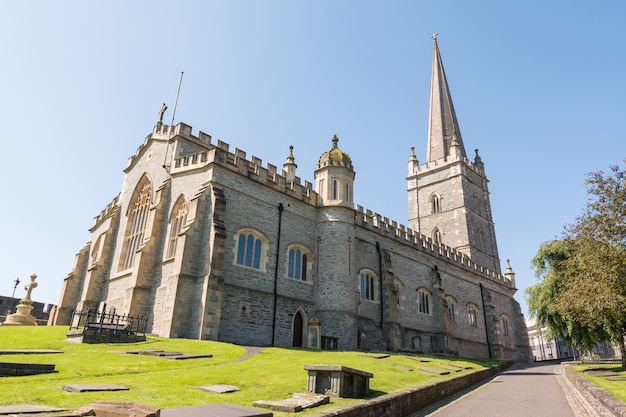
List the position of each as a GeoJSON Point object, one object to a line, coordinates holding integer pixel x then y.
{"type": "Point", "coordinates": [524, 390]}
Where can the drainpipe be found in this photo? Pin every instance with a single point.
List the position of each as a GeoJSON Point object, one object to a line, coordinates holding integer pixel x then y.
{"type": "Point", "coordinates": [280, 220]}
{"type": "Point", "coordinates": [380, 282]}
{"type": "Point", "coordinates": [482, 298]}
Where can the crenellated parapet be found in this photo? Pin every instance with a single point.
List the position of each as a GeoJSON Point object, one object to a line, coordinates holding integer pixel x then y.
{"type": "Point", "coordinates": [167, 133]}
{"type": "Point", "coordinates": [112, 206]}
{"type": "Point", "coordinates": [391, 229]}
{"type": "Point", "coordinates": [252, 168]}
{"type": "Point", "coordinates": [415, 167]}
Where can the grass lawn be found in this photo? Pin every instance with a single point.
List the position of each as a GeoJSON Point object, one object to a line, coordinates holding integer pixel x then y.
{"type": "Point", "coordinates": [615, 388]}
{"type": "Point", "coordinates": [273, 374]}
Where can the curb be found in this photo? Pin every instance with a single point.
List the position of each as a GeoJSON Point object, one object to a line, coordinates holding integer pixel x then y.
{"type": "Point", "coordinates": [599, 398]}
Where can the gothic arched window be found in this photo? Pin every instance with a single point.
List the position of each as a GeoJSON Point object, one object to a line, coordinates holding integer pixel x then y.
{"type": "Point", "coordinates": [435, 202]}
{"type": "Point", "coordinates": [451, 308]}
{"type": "Point", "coordinates": [472, 310]}
{"type": "Point", "coordinates": [437, 236]}
{"type": "Point", "coordinates": [368, 284]}
{"type": "Point", "coordinates": [423, 301]}
{"type": "Point", "coordinates": [504, 324]}
{"type": "Point", "coordinates": [138, 209]}
{"type": "Point", "coordinates": [178, 220]}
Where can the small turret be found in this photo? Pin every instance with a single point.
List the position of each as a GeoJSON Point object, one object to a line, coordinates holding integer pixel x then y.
{"type": "Point", "coordinates": [509, 275]}
{"type": "Point", "coordinates": [413, 162]}
{"type": "Point", "coordinates": [478, 162]}
{"type": "Point", "coordinates": [289, 168]}
{"type": "Point", "coordinates": [334, 177]}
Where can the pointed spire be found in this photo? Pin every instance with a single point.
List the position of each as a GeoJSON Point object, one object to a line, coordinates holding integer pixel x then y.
{"type": "Point", "coordinates": [443, 128]}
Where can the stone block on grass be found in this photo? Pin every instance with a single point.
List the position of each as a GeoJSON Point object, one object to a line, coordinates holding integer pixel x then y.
{"type": "Point", "coordinates": [118, 409]}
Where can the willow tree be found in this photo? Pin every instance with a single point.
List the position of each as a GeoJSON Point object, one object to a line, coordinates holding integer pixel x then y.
{"type": "Point", "coordinates": [582, 293]}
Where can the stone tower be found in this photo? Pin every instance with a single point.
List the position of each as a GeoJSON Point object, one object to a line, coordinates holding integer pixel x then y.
{"type": "Point", "coordinates": [335, 291]}
{"type": "Point", "coordinates": [448, 195]}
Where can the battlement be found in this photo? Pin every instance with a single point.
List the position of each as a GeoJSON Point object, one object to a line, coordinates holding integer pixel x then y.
{"type": "Point", "coordinates": [108, 209]}
{"type": "Point", "coordinates": [251, 168]}
{"type": "Point", "coordinates": [165, 132]}
{"type": "Point", "coordinates": [415, 167]}
{"type": "Point", "coordinates": [391, 229]}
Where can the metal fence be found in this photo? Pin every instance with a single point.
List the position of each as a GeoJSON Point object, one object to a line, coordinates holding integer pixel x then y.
{"type": "Point", "coordinates": [108, 322]}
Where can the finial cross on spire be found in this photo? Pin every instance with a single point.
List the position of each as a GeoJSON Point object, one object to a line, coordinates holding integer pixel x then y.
{"type": "Point", "coordinates": [435, 34]}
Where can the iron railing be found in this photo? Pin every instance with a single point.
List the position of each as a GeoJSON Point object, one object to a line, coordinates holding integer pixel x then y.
{"type": "Point", "coordinates": [108, 322]}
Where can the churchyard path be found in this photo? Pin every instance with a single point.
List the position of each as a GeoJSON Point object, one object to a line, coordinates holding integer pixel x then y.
{"type": "Point", "coordinates": [523, 390]}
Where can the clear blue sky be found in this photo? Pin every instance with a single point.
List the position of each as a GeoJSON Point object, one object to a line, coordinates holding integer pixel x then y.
{"type": "Point", "coordinates": [539, 87]}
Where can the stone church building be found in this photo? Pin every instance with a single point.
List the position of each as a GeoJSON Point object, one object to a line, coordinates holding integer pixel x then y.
{"type": "Point", "coordinates": [213, 245]}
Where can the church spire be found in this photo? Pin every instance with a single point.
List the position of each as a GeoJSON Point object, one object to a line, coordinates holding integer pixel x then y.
{"type": "Point", "coordinates": [443, 128]}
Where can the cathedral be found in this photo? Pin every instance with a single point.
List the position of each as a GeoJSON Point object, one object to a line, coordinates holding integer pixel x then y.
{"type": "Point", "coordinates": [214, 245]}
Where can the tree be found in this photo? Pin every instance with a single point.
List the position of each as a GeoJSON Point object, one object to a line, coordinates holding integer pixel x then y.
{"type": "Point", "coordinates": [582, 295]}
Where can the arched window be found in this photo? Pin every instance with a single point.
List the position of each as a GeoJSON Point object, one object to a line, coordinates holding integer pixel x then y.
{"type": "Point", "coordinates": [437, 236]}
{"type": "Point", "coordinates": [335, 189]}
{"type": "Point", "coordinates": [423, 301]}
{"type": "Point", "coordinates": [138, 209]}
{"type": "Point", "coordinates": [472, 310]}
{"type": "Point", "coordinates": [299, 262]}
{"type": "Point", "coordinates": [368, 285]}
{"type": "Point", "coordinates": [451, 308]}
{"type": "Point", "coordinates": [481, 241]}
{"type": "Point", "coordinates": [347, 193]}
{"type": "Point", "coordinates": [177, 221]}
{"type": "Point", "coordinates": [504, 324]}
{"type": "Point", "coordinates": [476, 204]}
{"type": "Point", "coordinates": [250, 249]}
{"type": "Point", "coordinates": [435, 202]}
{"type": "Point", "coordinates": [397, 289]}
{"type": "Point", "coordinates": [96, 252]}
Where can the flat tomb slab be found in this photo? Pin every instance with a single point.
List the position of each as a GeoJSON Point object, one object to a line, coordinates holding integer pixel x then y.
{"type": "Point", "coordinates": [169, 355]}
{"type": "Point", "coordinates": [27, 408]}
{"type": "Point", "coordinates": [219, 389]}
{"type": "Point", "coordinates": [93, 387]}
{"type": "Point", "coordinates": [117, 409]}
{"type": "Point", "coordinates": [23, 369]}
{"type": "Point", "coordinates": [297, 403]}
{"type": "Point", "coordinates": [214, 410]}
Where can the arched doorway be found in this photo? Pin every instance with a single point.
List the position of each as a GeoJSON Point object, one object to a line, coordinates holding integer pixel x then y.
{"type": "Point", "coordinates": [298, 325]}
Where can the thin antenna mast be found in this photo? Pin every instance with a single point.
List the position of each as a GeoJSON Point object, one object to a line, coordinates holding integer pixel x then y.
{"type": "Point", "coordinates": [169, 132]}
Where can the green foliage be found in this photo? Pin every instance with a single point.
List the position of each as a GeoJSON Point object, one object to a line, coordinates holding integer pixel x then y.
{"type": "Point", "coordinates": [273, 374]}
{"type": "Point", "coordinates": [582, 293]}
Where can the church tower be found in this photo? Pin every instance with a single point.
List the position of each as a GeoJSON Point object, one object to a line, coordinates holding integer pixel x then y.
{"type": "Point", "coordinates": [448, 195]}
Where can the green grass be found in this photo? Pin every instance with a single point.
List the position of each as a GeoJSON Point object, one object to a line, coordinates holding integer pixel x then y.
{"type": "Point", "coordinates": [615, 388]}
{"type": "Point", "coordinates": [273, 374]}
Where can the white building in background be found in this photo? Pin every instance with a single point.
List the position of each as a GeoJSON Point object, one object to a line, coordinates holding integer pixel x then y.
{"type": "Point", "coordinates": [542, 347]}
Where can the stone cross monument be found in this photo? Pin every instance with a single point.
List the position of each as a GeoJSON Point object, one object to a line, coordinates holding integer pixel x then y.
{"type": "Point", "coordinates": [22, 316]}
